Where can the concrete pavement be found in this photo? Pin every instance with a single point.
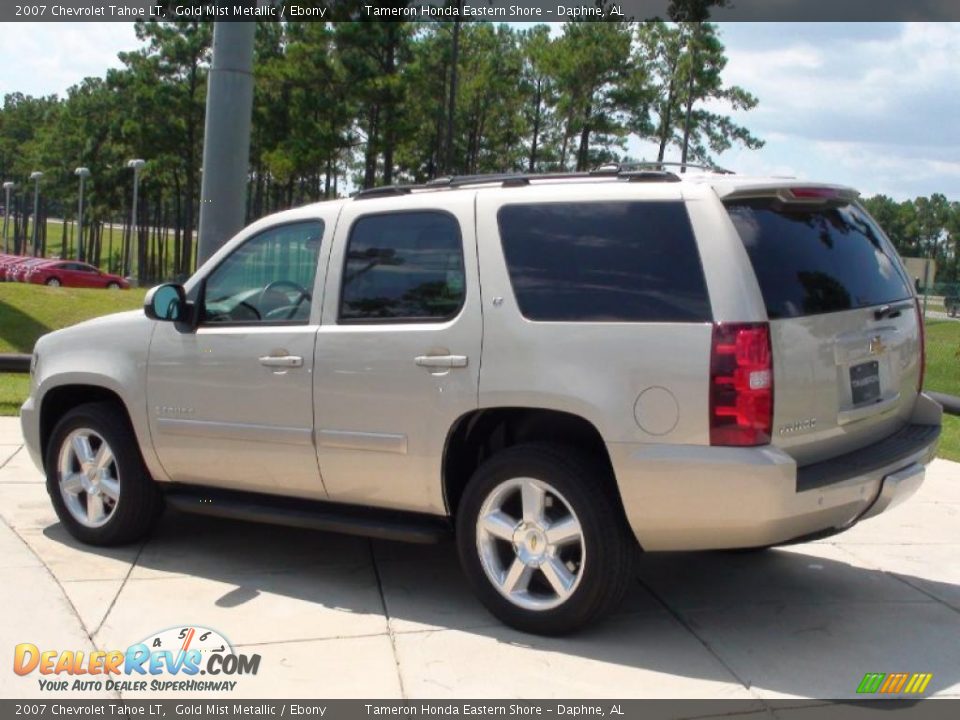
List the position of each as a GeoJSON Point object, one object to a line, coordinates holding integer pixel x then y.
{"type": "Point", "coordinates": [335, 616]}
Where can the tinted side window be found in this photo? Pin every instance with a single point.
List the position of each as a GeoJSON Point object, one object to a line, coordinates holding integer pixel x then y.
{"type": "Point", "coordinates": [604, 262]}
{"type": "Point", "coordinates": [817, 260]}
{"type": "Point", "coordinates": [403, 267]}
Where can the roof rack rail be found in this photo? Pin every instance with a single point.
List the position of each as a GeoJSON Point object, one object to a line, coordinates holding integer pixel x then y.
{"type": "Point", "coordinates": [631, 172]}
{"type": "Point", "coordinates": [661, 164]}
{"type": "Point", "coordinates": [384, 191]}
{"type": "Point", "coordinates": [458, 181]}
{"type": "Point", "coordinates": [649, 176]}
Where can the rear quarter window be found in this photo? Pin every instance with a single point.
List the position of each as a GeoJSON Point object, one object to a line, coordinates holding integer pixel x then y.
{"type": "Point", "coordinates": [604, 262]}
{"type": "Point", "coordinates": [810, 261]}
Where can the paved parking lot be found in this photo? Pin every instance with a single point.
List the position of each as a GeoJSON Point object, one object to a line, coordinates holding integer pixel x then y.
{"type": "Point", "coordinates": [334, 616]}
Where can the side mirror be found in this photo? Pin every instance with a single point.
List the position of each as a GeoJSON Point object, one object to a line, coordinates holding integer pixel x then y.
{"type": "Point", "coordinates": [166, 302]}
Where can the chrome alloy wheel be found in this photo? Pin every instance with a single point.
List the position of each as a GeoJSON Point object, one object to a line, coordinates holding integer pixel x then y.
{"type": "Point", "coordinates": [531, 544]}
{"type": "Point", "coordinates": [88, 478]}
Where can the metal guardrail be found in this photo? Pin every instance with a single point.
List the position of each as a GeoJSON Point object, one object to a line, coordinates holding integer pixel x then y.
{"type": "Point", "coordinates": [14, 363]}
{"type": "Point", "coordinates": [951, 403]}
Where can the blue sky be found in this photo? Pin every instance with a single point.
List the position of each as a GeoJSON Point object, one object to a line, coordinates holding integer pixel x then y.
{"type": "Point", "coordinates": [873, 105]}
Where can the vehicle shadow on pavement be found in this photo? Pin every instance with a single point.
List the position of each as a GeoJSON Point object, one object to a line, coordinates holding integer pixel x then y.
{"type": "Point", "coordinates": [805, 621]}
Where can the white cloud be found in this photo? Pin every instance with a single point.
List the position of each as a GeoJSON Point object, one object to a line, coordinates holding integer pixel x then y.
{"type": "Point", "coordinates": [905, 171]}
{"type": "Point", "coordinates": [876, 112]}
{"type": "Point", "coordinates": [902, 88]}
{"type": "Point", "coordinates": [48, 58]}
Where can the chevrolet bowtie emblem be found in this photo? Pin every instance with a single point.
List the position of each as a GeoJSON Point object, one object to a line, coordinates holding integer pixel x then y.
{"type": "Point", "coordinates": [876, 345]}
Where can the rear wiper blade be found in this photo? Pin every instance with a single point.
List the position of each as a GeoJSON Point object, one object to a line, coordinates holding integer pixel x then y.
{"type": "Point", "coordinates": [890, 311]}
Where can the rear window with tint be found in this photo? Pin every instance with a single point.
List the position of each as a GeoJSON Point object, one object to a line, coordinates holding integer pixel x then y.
{"type": "Point", "coordinates": [811, 261]}
{"type": "Point", "coordinates": [604, 262]}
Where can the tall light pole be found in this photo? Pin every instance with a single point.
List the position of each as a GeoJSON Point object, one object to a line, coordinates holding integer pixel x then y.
{"type": "Point", "coordinates": [7, 187]}
{"type": "Point", "coordinates": [82, 173]}
{"type": "Point", "coordinates": [35, 176]}
{"type": "Point", "coordinates": [226, 136]}
{"type": "Point", "coordinates": [136, 164]}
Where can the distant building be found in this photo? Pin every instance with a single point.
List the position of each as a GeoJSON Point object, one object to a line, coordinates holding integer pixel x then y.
{"type": "Point", "coordinates": [917, 269]}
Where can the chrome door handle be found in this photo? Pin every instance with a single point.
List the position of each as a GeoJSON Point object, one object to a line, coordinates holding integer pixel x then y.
{"type": "Point", "coordinates": [285, 361]}
{"type": "Point", "coordinates": [441, 361]}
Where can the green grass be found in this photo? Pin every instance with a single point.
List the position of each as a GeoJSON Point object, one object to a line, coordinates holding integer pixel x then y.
{"type": "Point", "coordinates": [950, 438]}
{"type": "Point", "coordinates": [13, 391]}
{"type": "Point", "coordinates": [943, 357]}
{"type": "Point", "coordinates": [29, 311]}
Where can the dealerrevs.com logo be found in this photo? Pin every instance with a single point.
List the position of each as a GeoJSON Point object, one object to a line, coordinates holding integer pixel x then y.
{"type": "Point", "coordinates": [178, 659]}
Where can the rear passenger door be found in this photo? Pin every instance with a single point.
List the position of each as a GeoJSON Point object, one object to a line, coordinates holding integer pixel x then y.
{"type": "Point", "coordinates": [398, 354]}
{"type": "Point", "coordinates": [596, 305]}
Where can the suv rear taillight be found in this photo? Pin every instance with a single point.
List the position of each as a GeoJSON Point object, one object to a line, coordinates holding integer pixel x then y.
{"type": "Point", "coordinates": [741, 384]}
{"type": "Point", "coordinates": [923, 347]}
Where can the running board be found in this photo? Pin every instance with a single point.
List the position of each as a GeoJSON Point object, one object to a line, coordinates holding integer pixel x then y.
{"type": "Point", "coordinates": [313, 514]}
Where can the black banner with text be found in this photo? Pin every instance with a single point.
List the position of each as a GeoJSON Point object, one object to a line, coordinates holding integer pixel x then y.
{"type": "Point", "coordinates": [478, 10]}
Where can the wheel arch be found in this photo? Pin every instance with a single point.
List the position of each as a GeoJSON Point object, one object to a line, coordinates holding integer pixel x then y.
{"type": "Point", "coordinates": [479, 434]}
{"type": "Point", "coordinates": [59, 400]}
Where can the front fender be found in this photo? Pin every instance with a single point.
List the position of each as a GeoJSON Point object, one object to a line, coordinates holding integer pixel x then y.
{"type": "Point", "coordinates": [108, 353]}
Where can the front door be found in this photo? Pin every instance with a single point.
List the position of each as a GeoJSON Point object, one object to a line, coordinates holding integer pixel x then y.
{"type": "Point", "coordinates": [231, 404]}
{"type": "Point", "coordinates": [398, 354]}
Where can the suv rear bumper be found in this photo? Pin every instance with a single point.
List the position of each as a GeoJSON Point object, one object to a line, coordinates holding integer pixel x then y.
{"type": "Point", "coordinates": [683, 497]}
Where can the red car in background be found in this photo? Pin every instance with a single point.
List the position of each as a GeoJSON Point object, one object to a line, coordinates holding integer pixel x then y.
{"type": "Point", "coordinates": [10, 263]}
{"type": "Point", "coordinates": [70, 273]}
{"type": "Point", "coordinates": [18, 272]}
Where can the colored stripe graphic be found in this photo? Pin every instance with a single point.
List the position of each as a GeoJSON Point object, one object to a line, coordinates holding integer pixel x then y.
{"type": "Point", "coordinates": [894, 683]}
{"type": "Point", "coordinates": [918, 683]}
{"type": "Point", "coordinates": [871, 682]}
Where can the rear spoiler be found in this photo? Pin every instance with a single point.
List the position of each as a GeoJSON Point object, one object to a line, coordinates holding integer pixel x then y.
{"type": "Point", "coordinates": [793, 193]}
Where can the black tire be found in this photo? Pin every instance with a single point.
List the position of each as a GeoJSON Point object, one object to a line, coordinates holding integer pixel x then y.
{"type": "Point", "coordinates": [53, 282]}
{"type": "Point", "coordinates": [140, 501]}
{"type": "Point", "coordinates": [609, 547]}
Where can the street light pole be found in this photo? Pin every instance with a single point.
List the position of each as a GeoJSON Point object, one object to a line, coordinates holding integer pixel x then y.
{"type": "Point", "coordinates": [35, 176]}
{"type": "Point", "coordinates": [226, 136]}
{"type": "Point", "coordinates": [82, 173]}
{"type": "Point", "coordinates": [136, 164]}
{"type": "Point", "coordinates": [7, 187]}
